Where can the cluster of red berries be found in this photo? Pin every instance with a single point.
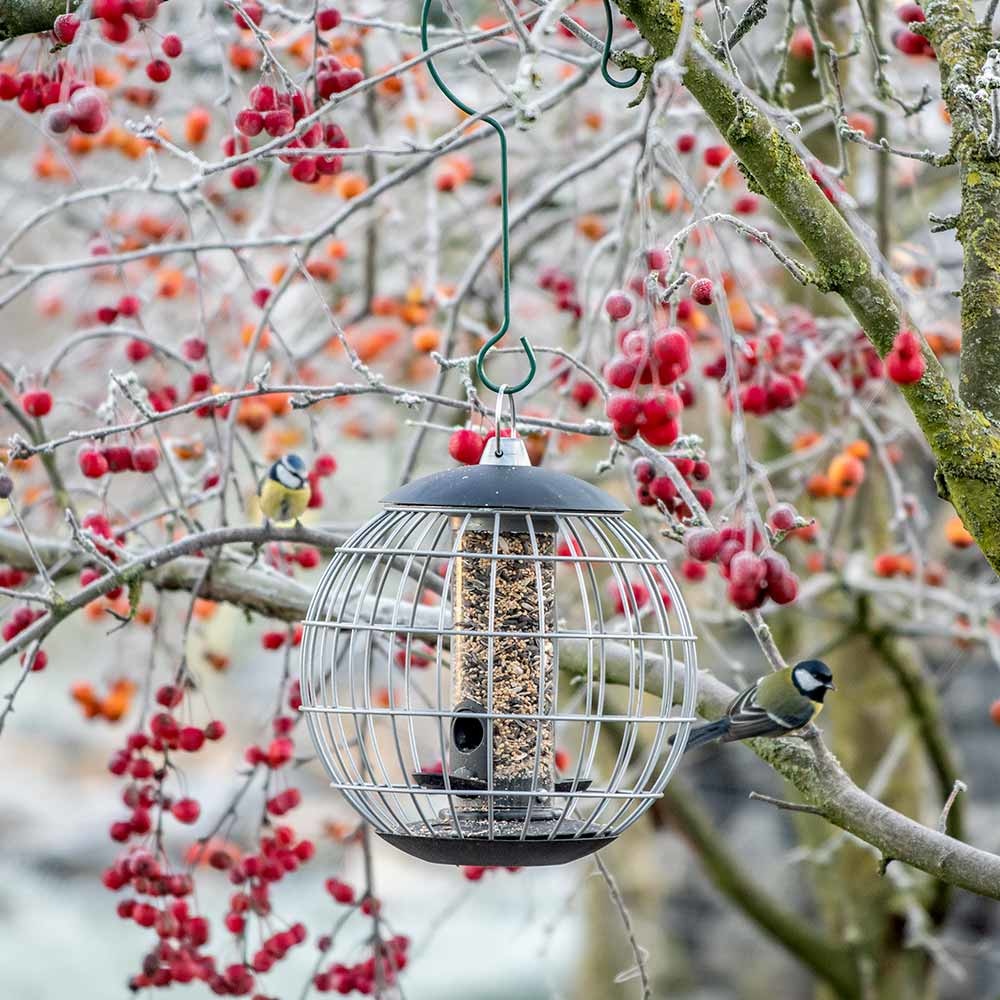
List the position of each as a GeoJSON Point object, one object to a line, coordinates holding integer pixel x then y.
{"type": "Point", "coordinates": [19, 621]}
{"type": "Point", "coordinates": [387, 960]}
{"type": "Point", "coordinates": [96, 462]}
{"type": "Point", "coordinates": [274, 639]}
{"type": "Point", "coordinates": [651, 488]}
{"type": "Point", "coordinates": [905, 363]}
{"type": "Point", "coordinates": [767, 369]}
{"type": "Point", "coordinates": [859, 364]}
{"type": "Point", "coordinates": [563, 289]}
{"type": "Point", "coordinates": [276, 112]}
{"type": "Point", "coordinates": [633, 597]}
{"type": "Point", "coordinates": [754, 575]}
{"type": "Point", "coordinates": [657, 360]}
{"type": "Point", "coordinates": [127, 305]}
{"type": "Point", "coordinates": [333, 78]}
{"type": "Point", "coordinates": [12, 577]}
{"type": "Point", "coordinates": [65, 102]}
{"type": "Point", "coordinates": [909, 42]}
{"type": "Point", "coordinates": [100, 531]}
{"type": "Point", "coordinates": [113, 16]}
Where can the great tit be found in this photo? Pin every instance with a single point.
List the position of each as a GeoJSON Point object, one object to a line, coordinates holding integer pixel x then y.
{"type": "Point", "coordinates": [284, 492]}
{"type": "Point", "coordinates": [776, 705]}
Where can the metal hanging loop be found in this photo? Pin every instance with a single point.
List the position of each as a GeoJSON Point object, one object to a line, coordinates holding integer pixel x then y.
{"type": "Point", "coordinates": [504, 223]}
{"type": "Point", "coordinates": [606, 56]}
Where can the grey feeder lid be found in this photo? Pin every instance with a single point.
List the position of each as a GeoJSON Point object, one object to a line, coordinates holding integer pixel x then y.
{"type": "Point", "coordinates": [505, 487]}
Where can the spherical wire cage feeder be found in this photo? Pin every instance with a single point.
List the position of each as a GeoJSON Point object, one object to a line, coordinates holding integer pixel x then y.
{"type": "Point", "coordinates": [490, 620]}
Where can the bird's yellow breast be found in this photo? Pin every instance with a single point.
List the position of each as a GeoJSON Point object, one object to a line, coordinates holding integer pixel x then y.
{"type": "Point", "coordinates": [279, 503]}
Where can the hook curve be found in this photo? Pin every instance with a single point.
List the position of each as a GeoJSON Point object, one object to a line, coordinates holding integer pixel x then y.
{"type": "Point", "coordinates": [606, 56]}
{"type": "Point", "coordinates": [504, 218]}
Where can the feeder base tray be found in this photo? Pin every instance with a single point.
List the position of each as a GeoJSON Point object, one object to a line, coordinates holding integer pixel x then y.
{"type": "Point", "coordinates": [447, 849]}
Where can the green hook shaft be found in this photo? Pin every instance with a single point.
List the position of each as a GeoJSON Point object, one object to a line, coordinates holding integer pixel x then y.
{"type": "Point", "coordinates": [504, 223]}
{"type": "Point", "coordinates": [606, 56]}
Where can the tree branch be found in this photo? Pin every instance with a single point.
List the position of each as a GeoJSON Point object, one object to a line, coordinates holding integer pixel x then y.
{"type": "Point", "coordinates": [966, 445]}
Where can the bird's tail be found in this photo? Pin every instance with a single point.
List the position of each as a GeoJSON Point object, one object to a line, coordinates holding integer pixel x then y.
{"type": "Point", "coordinates": [707, 734]}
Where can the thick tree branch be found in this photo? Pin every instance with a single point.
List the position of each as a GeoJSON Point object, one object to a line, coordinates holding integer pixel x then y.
{"type": "Point", "coordinates": [965, 443]}
{"type": "Point", "coordinates": [969, 80]}
{"type": "Point", "coordinates": [680, 808]}
{"type": "Point", "coordinates": [806, 763]}
{"type": "Point", "coordinates": [26, 17]}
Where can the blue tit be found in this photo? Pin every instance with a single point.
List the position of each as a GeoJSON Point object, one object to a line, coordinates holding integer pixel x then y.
{"type": "Point", "coordinates": [284, 492]}
{"type": "Point", "coordinates": [778, 704]}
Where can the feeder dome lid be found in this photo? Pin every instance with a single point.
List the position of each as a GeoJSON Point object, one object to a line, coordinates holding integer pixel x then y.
{"type": "Point", "coordinates": [505, 487]}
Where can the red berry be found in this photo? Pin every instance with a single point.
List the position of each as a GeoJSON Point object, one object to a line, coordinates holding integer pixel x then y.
{"type": "Point", "coordinates": [466, 446]}
{"type": "Point", "coordinates": [686, 141]}
{"type": "Point", "coordinates": [137, 350]}
{"type": "Point", "coordinates": [703, 544]}
{"type": "Point", "coordinates": [782, 517]}
{"type": "Point", "coordinates": [186, 810]}
{"type": "Point", "coordinates": [128, 305]}
{"type": "Point", "coordinates": [193, 348]}
{"type": "Point", "coordinates": [251, 12]}
{"type": "Point", "coordinates": [617, 305]}
{"type": "Point", "coordinates": [341, 891]}
{"type": "Point", "coordinates": [715, 156]}
{"type": "Point", "coordinates": [191, 739]}
{"type": "Point", "coordinates": [624, 408]}
{"type": "Point", "coordinates": [327, 19]}
{"type": "Point", "coordinates": [910, 12]}
{"type": "Point", "coordinates": [92, 463]}
{"type": "Point", "coordinates": [245, 176]}
{"type": "Point", "coordinates": [215, 730]}
{"type": "Point", "coordinates": [37, 402]}
{"type": "Point", "coordinates": [903, 370]}
{"type": "Point", "coordinates": [273, 640]}
{"type": "Point", "coordinates": [621, 372]}
{"type": "Point", "coordinates": [158, 70]}
{"type": "Point", "coordinates": [909, 43]}
{"type": "Point", "coordinates": [701, 291]}
{"type": "Point", "coordinates": [65, 28]}
{"type": "Point", "coordinates": [172, 46]}
{"type": "Point", "coordinates": [906, 344]}
{"type": "Point", "coordinates": [278, 122]}
{"type": "Point", "coordinates": [800, 45]}
{"type": "Point", "coordinates": [643, 471]}
{"type": "Point", "coordinates": [263, 98]}
{"type": "Point", "coordinates": [145, 458]}
{"type": "Point", "coordinates": [325, 465]}
{"type": "Point", "coordinates": [747, 569]}
{"type": "Point", "coordinates": [250, 122]}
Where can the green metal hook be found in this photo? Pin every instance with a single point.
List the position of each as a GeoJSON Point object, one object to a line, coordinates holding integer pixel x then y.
{"type": "Point", "coordinates": [504, 224]}
{"type": "Point", "coordinates": [606, 56]}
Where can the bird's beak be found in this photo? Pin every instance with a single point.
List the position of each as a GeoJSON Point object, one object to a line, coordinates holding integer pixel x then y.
{"type": "Point", "coordinates": [830, 686]}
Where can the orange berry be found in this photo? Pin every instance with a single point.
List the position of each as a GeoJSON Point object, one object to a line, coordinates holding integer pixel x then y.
{"type": "Point", "coordinates": [886, 564]}
{"type": "Point", "coordinates": [819, 486]}
{"type": "Point", "coordinates": [846, 474]}
{"type": "Point", "coordinates": [957, 534]}
{"type": "Point", "coordinates": [859, 449]}
{"type": "Point", "coordinates": [995, 712]}
{"type": "Point", "coordinates": [426, 339]}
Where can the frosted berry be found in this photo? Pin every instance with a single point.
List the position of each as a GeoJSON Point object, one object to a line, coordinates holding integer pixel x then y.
{"type": "Point", "coordinates": [618, 305]}
{"type": "Point", "coordinates": [65, 28]}
{"type": "Point", "coordinates": [701, 291]}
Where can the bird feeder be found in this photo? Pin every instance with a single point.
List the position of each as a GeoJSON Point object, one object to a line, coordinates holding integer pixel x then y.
{"type": "Point", "coordinates": [490, 666]}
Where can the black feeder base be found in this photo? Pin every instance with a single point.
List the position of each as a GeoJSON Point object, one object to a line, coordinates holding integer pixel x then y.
{"type": "Point", "coordinates": [508, 852]}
